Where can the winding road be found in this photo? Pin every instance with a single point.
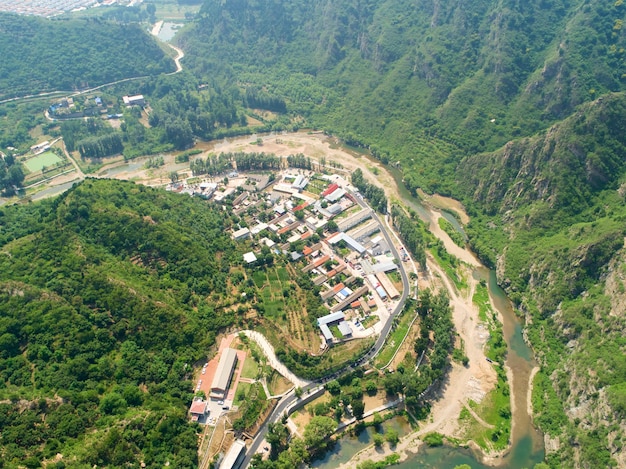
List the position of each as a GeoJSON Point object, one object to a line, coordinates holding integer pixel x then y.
{"type": "Point", "coordinates": [179, 68]}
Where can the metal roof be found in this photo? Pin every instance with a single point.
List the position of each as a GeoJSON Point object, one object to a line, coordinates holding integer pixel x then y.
{"type": "Point", "coordinates": [224, 369]}
{"type": "Point", "coordinates": [330, 318]}
{"type": "Point", "coordinates": [231, 460]}
{"type": "Point", "coordinates": [344, 328]}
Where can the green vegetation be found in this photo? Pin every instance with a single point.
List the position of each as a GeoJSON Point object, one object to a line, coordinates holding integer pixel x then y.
{"type": "Point", "coordinates": [78, 54]}
{"type": "Point", "coordinates": [11, 175]}
{"type": "Point", "coordinates": [435, 318]}
{"type": "Point", "coordinates": [455, 236]}
{"type": "Point", "coordinates": [390, 460]}
{"type": "Point", "coordinates": [253, 405]}
{"type": "Point", "coordinates": [374, 194]}
{"type": "Point", "coordinates": [42, 161]}
{"type": "Point", "coordinates": [100, 310]}
{"type": "Point", "coordinates": [413, 231]}
{"type": "Point", "coordinates": [433, 439]}
{"type": "Point", "coordinates": [515, 109]}
{"type": "Point", "coordinates": [449, 263]}
{"type": "Point", "coordinates": [399, 330]}
{"type": "Point", "coordinates": [250, 369]}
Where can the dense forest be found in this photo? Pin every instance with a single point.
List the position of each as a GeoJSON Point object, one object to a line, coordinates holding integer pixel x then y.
{"type": "Point", "coordinates": [73, 60]}
{"type": "Point", "coordinates": [109, 293]}
{"type": "Point", "coordinates": [516, 110]}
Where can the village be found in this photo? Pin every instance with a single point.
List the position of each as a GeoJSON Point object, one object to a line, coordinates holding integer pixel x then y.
{"type": "Point", "coordinates": [322, 226]}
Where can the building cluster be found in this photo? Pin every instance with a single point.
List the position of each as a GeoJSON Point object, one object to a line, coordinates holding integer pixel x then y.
{"type": "Point", "coordinates": [221, 383]}
{"type": "Point", "coordinates": [49, 8]}
{"type": "Point", "coordinates": [335, 238]}
{"type": "Point", "coordinates": [70, 108]}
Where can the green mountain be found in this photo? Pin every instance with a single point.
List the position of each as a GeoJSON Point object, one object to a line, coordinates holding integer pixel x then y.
{"type": "Point", "coordinates": [44, 55]}
{"type": "Point", "coordinates": [516, 108]}
{"type": "Point", "coordinates": [417, 79]}
{"type": "Point", "coordinates": [108, 294]}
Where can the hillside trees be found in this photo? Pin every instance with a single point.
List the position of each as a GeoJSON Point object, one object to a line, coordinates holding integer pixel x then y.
{"type": "Point", "coordinates": [104, 301]}
{"type": "Point", "coordinates": [11, 175]}
{"type": "Point", "coordinates": [80, 53]}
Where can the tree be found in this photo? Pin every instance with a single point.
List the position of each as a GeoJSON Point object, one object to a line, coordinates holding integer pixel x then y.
{"type": "Point", "coordinates": [277, 437]}
{"type": "Point", "coordinates": [392, 437]}
{"type": "Point", "coordinates": [358, 408]}
{"type": "Point", "coordinates": [317, 432]}
{"type": "Point", "coordinates": [378, 440]}
{"type": "Point", "coordinates": [173, 174]}
{"type": "Point", "coordinates": [332, 226]}
{"type": "Point", "coordinates": [333, 387]}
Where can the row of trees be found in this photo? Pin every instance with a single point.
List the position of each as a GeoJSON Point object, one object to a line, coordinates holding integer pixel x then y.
{"type": "Point", "coordinates": [374, 194]}
{"type": "Point", "coordinates": [413, 233]}
{"type": "Point", "coordinates": [100, 147]}
{"type": "Point", "coordinates": [11, 175]}
{"type": "Point", "coordinates": [215, 165]}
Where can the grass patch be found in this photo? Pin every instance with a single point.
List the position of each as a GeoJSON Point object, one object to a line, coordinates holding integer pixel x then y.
{"type": "Point", "coordinates": [394, 340]}
{"type": "Point", "coordinates": [259, 277]}
{"type": "Point", "coordinates": [250, 368]}
{"type": "Point", "coordinates": [316, 186]}
{"type": "Point", "coordinates": [394, 276]}
{"type": "Point", "coordinates": [282, 273]}
{"type": "Point", "coordinates": [495, 409]}
{"type": "Point", "coordinates": [456, 237]}
{"type": "Point", "coordinates": [45, 160]}
{"type": "Point", "coordinates": [243, 389]}
{"type": "Point", "coordinates": [450, 265]}
{"type": "Point", "coordinates": [481, 299]}
{"type": "Point", "coordinates": [252, 406]}
{"type": "Point", "coordinates": [370, 321]}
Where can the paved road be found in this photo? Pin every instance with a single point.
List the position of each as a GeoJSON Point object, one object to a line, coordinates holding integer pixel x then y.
{"type": "Point", "coordinates": [287, 402]}
{"type": "Point", "coordinates": [179, 68]}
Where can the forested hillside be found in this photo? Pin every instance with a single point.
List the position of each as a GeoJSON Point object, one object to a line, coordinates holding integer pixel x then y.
{"type": "Point", "coordinates": [422, 82]}
{"type": "Point", "coordinates": [552, 220]}
{"type": "Point", "coordinates": [108, 294]}
{"type": "Point", "coordinates": [42, 55]}
{"type": "Point", "coordinates": [514, 108]}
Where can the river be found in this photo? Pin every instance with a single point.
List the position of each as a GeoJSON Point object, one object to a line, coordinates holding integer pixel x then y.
{"type": "Point", "coordinates": [527, 442]}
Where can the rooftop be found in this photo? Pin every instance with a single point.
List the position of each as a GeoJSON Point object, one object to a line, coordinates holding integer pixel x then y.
{"type": "Point", "coordinates": [249, 257]}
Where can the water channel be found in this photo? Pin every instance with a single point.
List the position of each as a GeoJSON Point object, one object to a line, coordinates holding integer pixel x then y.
{"type": "Point", "coordinates": [527, 443]}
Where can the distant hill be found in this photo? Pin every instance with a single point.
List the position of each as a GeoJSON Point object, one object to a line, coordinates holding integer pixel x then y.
{"type": "Point", "coordinates": [422, 80]}
{"type": "Point", "coordinates": [43, 55]}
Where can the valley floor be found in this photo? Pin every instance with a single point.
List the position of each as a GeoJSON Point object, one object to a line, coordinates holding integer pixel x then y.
{"type": "Point", "coordinates": [463, 383]}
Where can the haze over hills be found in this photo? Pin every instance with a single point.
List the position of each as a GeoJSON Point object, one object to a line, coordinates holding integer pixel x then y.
{"type": "Point", "coordinates": [76, 53]}
{"type": "Point", "coordinates": [433, 85]}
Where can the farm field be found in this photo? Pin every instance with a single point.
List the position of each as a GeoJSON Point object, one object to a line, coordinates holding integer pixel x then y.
{"type": "Point", "coordinates": [282, 302]}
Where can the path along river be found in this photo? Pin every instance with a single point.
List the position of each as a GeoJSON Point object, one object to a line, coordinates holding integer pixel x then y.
{"type": "Point", "coordinates": [527, 443]}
